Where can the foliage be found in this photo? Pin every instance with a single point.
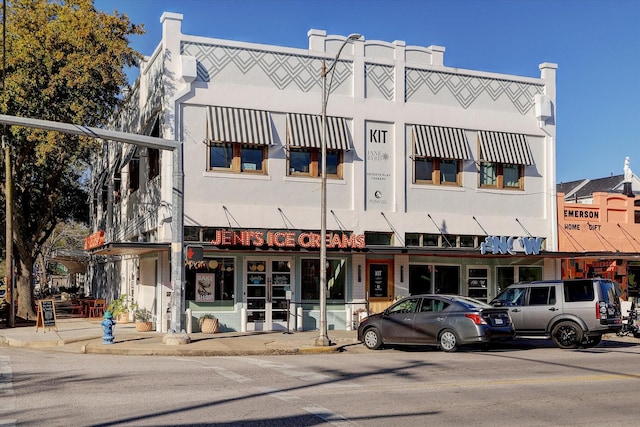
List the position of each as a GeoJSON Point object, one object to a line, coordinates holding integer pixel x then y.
{"type": "Point", "coordinates": [142, 315]}
{"type": "Point", "coordinates": [122, 305]}
{"type": "Point", "coordinates": [65, 62]}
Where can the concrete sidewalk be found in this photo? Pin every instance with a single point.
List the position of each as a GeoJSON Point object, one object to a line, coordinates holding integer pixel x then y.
{"type": "Point", "coordinates": [82, 335]}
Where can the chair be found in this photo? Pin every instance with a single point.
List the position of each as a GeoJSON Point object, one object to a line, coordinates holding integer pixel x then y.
{"type": "Point", "coordinates": [99, 308]}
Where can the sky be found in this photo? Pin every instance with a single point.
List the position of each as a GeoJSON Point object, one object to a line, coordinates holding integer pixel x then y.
{"type": "Point", "coordinates": [596, 44]}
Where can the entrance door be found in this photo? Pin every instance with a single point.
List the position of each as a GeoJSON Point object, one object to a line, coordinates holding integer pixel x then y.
{"type": "Point", "coordinates": [379, 284]}
{"type": "Point", "coordinates": [267, 281]}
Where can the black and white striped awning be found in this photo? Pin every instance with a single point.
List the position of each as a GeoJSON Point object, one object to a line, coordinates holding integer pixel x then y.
{"type": "Point", "coordinates": [305, 131]}
{"type": "Point", "coordinates": [441, 142]}
{"type": "Point", "coordinates": [239, 125]}
{"type": "Point", "coordinates": [502, 147]}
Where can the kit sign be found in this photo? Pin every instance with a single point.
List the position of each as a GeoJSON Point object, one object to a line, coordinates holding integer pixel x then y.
{"type": "Point", "coordinates": [506, 245]}
{"type": "Point", "coordinates": [286, 239]}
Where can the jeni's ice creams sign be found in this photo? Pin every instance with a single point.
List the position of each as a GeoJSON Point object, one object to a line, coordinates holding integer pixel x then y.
{"type": "Point", "coordinates": [290, 239]}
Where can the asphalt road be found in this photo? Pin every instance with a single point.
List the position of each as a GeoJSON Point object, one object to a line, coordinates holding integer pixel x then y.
{"type": "Point", "coordinates": [528, 384]}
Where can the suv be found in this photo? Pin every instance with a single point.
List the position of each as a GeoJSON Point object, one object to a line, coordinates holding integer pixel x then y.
{"type": "Point", "coordinates": [572, 313]}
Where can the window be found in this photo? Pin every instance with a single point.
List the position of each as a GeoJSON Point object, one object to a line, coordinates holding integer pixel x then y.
{"type": "Point", "coordinates": [447, 279]}
{"type": "Point", "coordinates": [403, 307]}
{"type": "Point", "coordinates": [419, 279]}
{"type": "Point", "coordinates": [153, 157]}
{"type": "Point", "coordinates": [436, 171]}
{"type": "Point", "coordinates": [238, 139]}
{"type": "Point", "coordinates": [307, 162]}
{"type": "Point", "coordinates": [542, 296]}
{"type": "Point", "coordinates": [223, 270]}
{"type": "Point", "coordinates": [478, 283]}
{"type": "Point", "coordinates": [498, 175]}
{"type": "Point", "coordinates": [237, 157]}
{"type": "Point", "coordinates": [503, 157]}
{"type": "Point", "coordinates": [376, 238]}
{"type": "Point", "coordinates": [134, 174]}
{"type": "Point", "coordinates": [117, 187]}
{"type": "Point", "coordinates": [336, 279]}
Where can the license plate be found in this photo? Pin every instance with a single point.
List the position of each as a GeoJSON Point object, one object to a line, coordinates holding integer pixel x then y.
{"type": "Point", "coordinates": [498, 321]}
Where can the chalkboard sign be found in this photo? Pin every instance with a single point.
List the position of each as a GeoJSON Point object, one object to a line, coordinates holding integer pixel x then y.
{"type": "Point", "coordinates": [46, 314]}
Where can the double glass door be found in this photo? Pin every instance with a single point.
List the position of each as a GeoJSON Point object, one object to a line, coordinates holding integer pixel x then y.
{"type": "Point", "coordinates": [267, 281]}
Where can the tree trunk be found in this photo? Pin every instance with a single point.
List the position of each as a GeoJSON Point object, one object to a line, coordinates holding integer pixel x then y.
{"type": "Point", "coordinates": [25, 291]}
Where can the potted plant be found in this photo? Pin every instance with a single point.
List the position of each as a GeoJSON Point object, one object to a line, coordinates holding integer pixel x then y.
{"type": "Point", "coordinates": [208, 324]}
{"type": "Point", "coordinates": [121, 307]}
{"type": "Point", "coordinates": [142, 318]}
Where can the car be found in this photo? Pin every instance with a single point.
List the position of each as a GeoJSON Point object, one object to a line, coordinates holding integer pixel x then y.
{"type": "Point", "coordinates": [573, 313]}
{"type": "Point", "coordinates": [447, 321]}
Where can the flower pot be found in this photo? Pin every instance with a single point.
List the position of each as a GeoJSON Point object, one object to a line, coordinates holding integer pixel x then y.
{"type": "Point", "coordinates": [209, 326]}
{"type": "Point", "coordinates": [144, 326]}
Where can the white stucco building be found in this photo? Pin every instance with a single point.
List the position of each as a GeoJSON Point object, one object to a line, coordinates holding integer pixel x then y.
{"type": "Point", "coordinates": [439, 179]}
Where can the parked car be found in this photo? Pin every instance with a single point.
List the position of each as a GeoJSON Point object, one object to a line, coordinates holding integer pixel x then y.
{"type": "Point", "coordinates": [572, 313]}
{"type": "Point", "coordinates": [447, 321]}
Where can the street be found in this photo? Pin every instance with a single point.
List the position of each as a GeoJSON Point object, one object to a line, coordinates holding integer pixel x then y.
{"type": "Point", "coordinates": [527, 383]}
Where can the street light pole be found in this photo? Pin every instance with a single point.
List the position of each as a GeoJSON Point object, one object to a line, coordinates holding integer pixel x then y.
{"type": "Point", "coordinates": [323, 338]}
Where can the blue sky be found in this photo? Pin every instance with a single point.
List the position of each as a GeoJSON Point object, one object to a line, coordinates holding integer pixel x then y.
{"type": "Point", "coordinates": [596, 44]}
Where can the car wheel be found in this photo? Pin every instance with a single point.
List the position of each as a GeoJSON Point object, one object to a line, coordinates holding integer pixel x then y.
{"type": "Point", "coordinates": [567, 335]}
{"type": "Point", "coordinates": [372, 339]}
{"type": "Point", "coordinates": [448, 341]}
{"type": "Point", "coordinates": [591, 341]}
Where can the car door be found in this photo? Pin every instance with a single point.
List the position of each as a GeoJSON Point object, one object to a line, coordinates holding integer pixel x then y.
{"type": "Point", "coordinates": [397, 321]}
{"type": "Point", "coordinates": [429, 319]}
{"type": "Point", "coordinates": [542, 305]}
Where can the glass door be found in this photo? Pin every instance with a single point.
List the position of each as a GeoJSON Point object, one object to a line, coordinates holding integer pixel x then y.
{"type": "Point", "coordinates": [266, 285]}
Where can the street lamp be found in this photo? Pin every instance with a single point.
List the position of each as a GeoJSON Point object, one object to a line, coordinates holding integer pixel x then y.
{"type": "Point", "coordinates": [323, 338]}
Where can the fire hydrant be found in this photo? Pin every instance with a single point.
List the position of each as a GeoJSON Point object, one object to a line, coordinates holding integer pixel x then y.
{"type": "Point", "coordinates": [107, 326]}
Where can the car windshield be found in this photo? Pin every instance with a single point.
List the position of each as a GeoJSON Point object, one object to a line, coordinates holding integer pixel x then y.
{"type": "Point", "coordinates": [471, 303]}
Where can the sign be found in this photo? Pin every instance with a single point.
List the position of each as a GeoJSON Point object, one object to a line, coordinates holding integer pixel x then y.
{"type": "Point", "coordinates": [94, 240]}
{"type": "Point", "coordinates": [378, 274]}
{"type": "Point", "coordinates": [506, 245]}
{"type": "Point", "coordinates": [46, 315]}
{"type": "Point", "coordinates": [194, 253]}
{"type": "Point", "coordinates": [286, 239]}
{"type": "Point", "coordinates": [379, 166]}
{"type": "Point", "coordinates": [205, 287]}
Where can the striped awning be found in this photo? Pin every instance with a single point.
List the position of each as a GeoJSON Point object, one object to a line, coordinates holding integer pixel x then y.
{"type": "Point", "coordinates": [305, 131]}
{"type": "Point", "coordinates": [239, 125]}
{"type": "Point", "coordinates": [502, 147]}
{"type": "Point", "coordinates": [442, 142]}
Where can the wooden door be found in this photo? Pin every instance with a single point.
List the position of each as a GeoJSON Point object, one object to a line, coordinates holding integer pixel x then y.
{"type": "Point", "coordinates": [380, 289]}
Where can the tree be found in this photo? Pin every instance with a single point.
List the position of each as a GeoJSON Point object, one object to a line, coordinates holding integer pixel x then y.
{"type": "Point", "coordinates": [65, 62]}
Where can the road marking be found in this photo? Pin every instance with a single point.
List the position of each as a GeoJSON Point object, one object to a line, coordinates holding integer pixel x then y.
{"type": "Point", "coordinates": [319, 411]}
{"type": "Point", "coordinates": [8, 401]}
{"type": "Point", "coordinates": [322, 380]}
{"type": "Point", "coordinates": [229, 374]}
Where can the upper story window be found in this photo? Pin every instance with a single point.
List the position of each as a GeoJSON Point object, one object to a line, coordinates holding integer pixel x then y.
{"type": "Point", "coordinates": [304, 145]}
{"type": "Point", "coordinates": [238, 139]}
{"type": "Point", "coordinates": [438, 153]}
{"type": "Point", "coordinates": [134, 172]}
{"type": "Point", "coordinates": [503, 157]}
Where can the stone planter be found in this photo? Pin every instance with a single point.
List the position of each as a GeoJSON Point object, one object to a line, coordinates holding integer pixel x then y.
{"type": "Point", "coordinates": [209, 326]}
{"type": "Point", "coordinates": [144, 326]}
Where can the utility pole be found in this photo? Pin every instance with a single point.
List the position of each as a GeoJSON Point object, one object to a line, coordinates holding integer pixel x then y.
{"type": "Point", "coordinates": [8, 187]}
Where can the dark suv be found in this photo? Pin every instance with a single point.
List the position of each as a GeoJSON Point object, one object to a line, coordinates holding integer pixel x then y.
{"type": "Point", "coordinates": [571, 312]}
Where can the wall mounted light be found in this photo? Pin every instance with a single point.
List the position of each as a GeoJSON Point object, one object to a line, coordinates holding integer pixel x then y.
{"type": "Point", "coordinates": [402, 274]}
{"type": "Point", "coordinates": [359, 273]}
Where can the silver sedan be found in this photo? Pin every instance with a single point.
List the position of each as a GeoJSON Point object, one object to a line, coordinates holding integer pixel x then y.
{"type": "Point", "coordinates": [447, 321]}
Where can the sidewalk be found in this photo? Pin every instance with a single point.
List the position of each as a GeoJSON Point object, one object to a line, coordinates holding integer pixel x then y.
{"type": "Point", "coordinates": [82, 335]}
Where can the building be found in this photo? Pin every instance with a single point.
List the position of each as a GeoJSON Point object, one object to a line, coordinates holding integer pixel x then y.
{"type": "Point", "coordinates": [439, 179]}
{"type": "Point", "coordinates": [599, 226]}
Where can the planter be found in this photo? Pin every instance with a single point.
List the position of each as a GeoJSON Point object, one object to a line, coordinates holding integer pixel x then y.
{"type": "Point", "coordinates": [144, 326]}
{"type": "Point", "coordinates": [209, 326]}
{"type": "Point", "coordinates": [123, 318]}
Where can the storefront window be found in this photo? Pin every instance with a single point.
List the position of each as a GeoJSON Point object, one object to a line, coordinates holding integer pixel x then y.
{"type": "Point", "coordinates": [211, 281]}
{"type": "Point", "coordinates": [336, 279]}
{"type": "Point", "coordinates": [419, 279]}
{"type": "Point", "coordinates": [447, 279]}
